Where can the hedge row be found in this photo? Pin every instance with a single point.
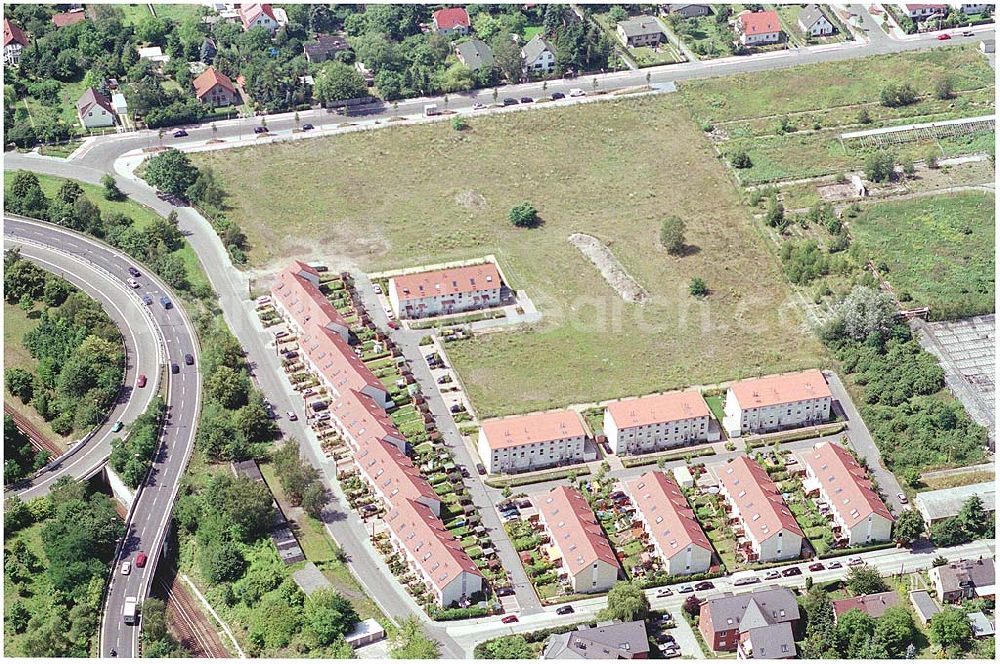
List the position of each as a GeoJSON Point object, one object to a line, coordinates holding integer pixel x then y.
{"type": "Point", "coordinates": [647, 459]}
{"type": "Point", "coordinates": [834, 553]}
{"type": "Point", "coordinates": [534, 479]}
{"type": "Point", "coordinates": [792, 436]}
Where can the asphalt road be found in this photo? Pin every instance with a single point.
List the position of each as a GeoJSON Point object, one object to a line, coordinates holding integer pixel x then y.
{"type": "Point", "coordinates": [140, 335]}
{"type": "Point", "coordinates": [150, 514]}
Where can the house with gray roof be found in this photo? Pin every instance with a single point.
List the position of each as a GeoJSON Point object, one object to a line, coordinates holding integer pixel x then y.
{"type": "Point", "coordinates": [94, 110]}
{"type": "Point", "coordinates": [982, 627]}
{"type": "Point", "coordinates": [944, 503]}
{"type": "Point", "coordinates": [814, 22]}
{"type": "Point", "coordinates": [924, 606]}
{"type": "Point", "coordinates": [539, 56]}
{"type": "Point", "coordinates": [610, 640]}
{"type": "Point", "coordinates": [326, 47]}
{"type": "Point", "coordinates": [756, 625]}
{"type": "Point", "coordinates": [687, 11]}
{"type": "Point", "coordinates": [640, 31]}
{"type": "Point", "coordinates": [965, 579]}
{"type": "Point", "coordinates": [475, 54]}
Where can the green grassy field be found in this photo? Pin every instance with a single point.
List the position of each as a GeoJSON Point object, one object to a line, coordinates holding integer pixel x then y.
{"type": "Point", "coordinates": [614, 170]}
{"type": "Point", "coordinates": [140, 214]}
{"type": "Point", "coordinates": [938, 249]}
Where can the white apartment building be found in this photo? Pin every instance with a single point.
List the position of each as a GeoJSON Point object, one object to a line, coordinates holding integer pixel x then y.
{"type": "Point", "coordinates": [443, 292]}
{"type": "Point", "coordinates": [761, 405]}
{"type": "Point", "coordinates": [531, 442]}
{"type": "Point", "coordinates": [658, 422]}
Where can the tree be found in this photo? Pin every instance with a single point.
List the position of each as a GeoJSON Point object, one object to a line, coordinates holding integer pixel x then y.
{"type": "Point", "coordinates": [865, 580]}
{"type": "Point", "coordinates": [740, 159]}
{"type": "Point", "coordinates": [20, 383]}
{"type": "Point", "coordinates": [775, 212]}
{"type": "Point", "coordinates": [698, 287]}
{"type": "Point", "coordinates": [894, 95]}
{"type": "Point", "coordinates": [944, 88]}
{"type": "Point", "coordinates": [328, 615]}
{"type": "Point", "coordinates": [154, 619]}
{"type": "Point", "coordinates": [854, 629]}
{"type": "Point", "coordinates": [243, 503]}
{"type": "Point", "coordinates": [507, 56]}
{"type": "Point", "coordinates": [895, 630]}
{"type": "Point", "coordinates": [171, 171]}
{"type": "Point", "coordinates": [909, 527]}
{"type": "Point", "coordinates": [691, 606]}
{"type": "Point", "coordinates": [973, 518]}
{"type": "Point", "coordinates": [672, 235]}
{"type": "Point", "coordinates": [880, 166]}
{"type": "Point", "coordinates": [222, 561]}
{"type": "Point", "coordinates": [950, 629]}
{"type": "Point", "coordinates": [410, 642]}
{"type": "Point", "coordinates": [863, 313]}
{"type": "Point", "coordinates": [336, 81]}
{"type": "Point", "coordinates": [506, 647]}
{"type": "Point", "coordinates": [626, 602]}
{"type": "Point", "coordinates": [948, 532]}
{"type": "Point", "coordinates": [523, 215]}
{"type": "Point", "coordinates": [864, 117]}
{"type": "Point", "coordinates": [25, 196]}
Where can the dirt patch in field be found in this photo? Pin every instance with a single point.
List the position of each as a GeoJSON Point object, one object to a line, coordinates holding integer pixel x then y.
{"type": "Point", "coordinates": [470, 200]}
{"type": "Point", "coordinates": [612, 271]}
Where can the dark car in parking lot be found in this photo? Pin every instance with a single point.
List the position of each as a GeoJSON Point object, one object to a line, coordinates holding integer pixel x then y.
{"type": "Point", "coordinates": [481, 469]}
{"type": "Point", "coordinates": [816, 567]}
{"type": "Point", "coordinates": [505, 592]}
{"type": "Point", "coordinates": [260, 130]}
{"type": "Point", "coordinates": [509, 101]}
{"type": "Point", "coordinates": [704, 585]}
{"type": "Point", "coordinates": [791, 571]}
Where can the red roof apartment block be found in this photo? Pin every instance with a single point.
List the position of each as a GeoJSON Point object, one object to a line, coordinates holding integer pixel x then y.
{"type": "Point", "coordinates": [781, 389]}
{"type": "Point", "coordinates": [678, 538]}
{"type": "Point", "coordinates": [394, 477]}
{"type": "Point", "coordinates": [520, 430]}
{"type": "Point", "coordinates": [658, 408]}
{"type": "Point", "coordinates": [770, 527]}
{"type": "Point", "coordinates": [339, 366]}
{"type": "Point", "coordinates": [447, 291]}
{"type": "Point", "coordinates": [577, 540]}
{"type": "Point", "coordinates": [299, 298]}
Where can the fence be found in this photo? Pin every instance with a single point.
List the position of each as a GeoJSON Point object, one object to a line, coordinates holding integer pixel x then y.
{"type": "Point", "coordinates": [914, 132]}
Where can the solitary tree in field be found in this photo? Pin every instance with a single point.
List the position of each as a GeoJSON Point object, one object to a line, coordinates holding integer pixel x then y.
{"type": "Point", "coordinates": [698, 287]}
{"type": "Point", "coordinates": [944, 88]}
{"type": "Point", "coordinates": [523, 215]}
{"type": "Point", "coordinates": [672, 235]}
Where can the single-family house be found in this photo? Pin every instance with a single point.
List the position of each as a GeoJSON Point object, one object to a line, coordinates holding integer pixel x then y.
{"type": "Point", "coordinates": [94, 110]}
{"type": "Point", "coordinates": [640, 31]}
{"type": "Point", "coordinates": [921, 12]}
{"type": "Point", "coordinates": [576, 541]}
{"type": "Point", "coordinates": [859, 515]}
{"type": "Point", "coordinates": [772, 403]}
{"type": "Point", "coordinates": [766, 531]}
{"type": "Point", "coordinates": [451, 22]}
{"type": "Point", "coordinates": [216, 89]}
{"type": "Point", "coordinates": [539, 57]}
{"type": "Point", "coordinates": [873, 605]}
{"type": "Point", "coordinates": [72, 17]}
{"type": "Point", "coordinates": [521, 443]}
{"type": "Point", "coordinates": [607, 640]}
{"type": "Point", "coordinates": [812, 21]}
{"type": "Point", "coordinates": [658, 422]}
{"type": "Point", "coordinates": [674, 533]}
{"type": "Point", "coordinates": [964, 579]}
{"type": "Point", "coordinates": [448, 291]}
{"type": "Point", "coordinates": [944, 503]}
{"type": "Point", "coordinates": [433, 554]}
{"type": "Point", "coordinates": [970, 8]}
{"type": "Point", "coordinates": [756, 625]}
{"type": "Point", "coordinates": [475, 54]}
{"type": "Point", "coordinates": [325, 47]}
{"type": "Point", "coordinates": [758, 28]}
{"type": "Point", "coordinates": [14, 40]}
{"type": "Point", "coordinates": [256, 15]}
{"type": "Point", "coordinates": [687, 11]}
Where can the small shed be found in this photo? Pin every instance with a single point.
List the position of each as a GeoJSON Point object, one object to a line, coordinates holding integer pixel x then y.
{"type": "Point", "coordinates": [924, 606]}
{"type": "Point", "coordinates": [119, 104]}
{"type": "Point", "coordinates": [858, 184]}
{"type": "Point", "coordinates": [982, 627]}
{"type": "Point", "coordinates": [364, 633]}
{"type": "Point", "coordinates": [683, 477]}
{"type": "Point", "coordinates": [987, 46]}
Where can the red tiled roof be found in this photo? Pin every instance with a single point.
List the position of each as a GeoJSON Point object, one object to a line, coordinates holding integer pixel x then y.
{"type": "Point", "coordinates": [394, 474]}
{"type": "Point", "coordinates": [337, 362]}
{"type": "Point", "coordinates": [759, 23]}
{"type": "Point", "coordinates": [210, 78]}
{"type": "Point", "coordinates": [846, 483]}
{"type": "Point", "coordinates": [518, 430]}
{"type": "Point", "coordinates": [668, 517]}
{"type": "Point", "coordinates": [658, 408]}
{"type": "Point", "coordinates": [762, 509]}
{"type": "Point", "coordinates": [365, 420]}
{"type": "Point", "coordinates": [432, 545]}
{"type": "Point", "coordinates": [781, 389]}
{"type": "Point", "coordinates": [446, 282]}
{"type": "Point", "coordinates": [68, 18]}
{"type": "Point", "coordinates": [250, 12]}
{"type": "Point", "coordinates": [13, 34]}
{"type": "Point", "coordinates": [451, 18]}
{"type": "Point", "coordinates": [574, 529]}
{"type": "Point", "coordinates": [304, 300]}
{"type": "Point", "coordinates": [874, 605]}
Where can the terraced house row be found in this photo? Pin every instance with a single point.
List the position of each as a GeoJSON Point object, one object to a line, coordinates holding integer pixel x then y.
{"type": "Point", "coordinates": [358, 408]}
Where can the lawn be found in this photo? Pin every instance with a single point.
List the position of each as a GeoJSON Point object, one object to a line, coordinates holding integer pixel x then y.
{"type": "Point", "coordinates": [17, 323]}
{"type": "Point", "coordinates": [938, 249]}
{"type": "Point", "coordinates": [140, 214]}
{"type": "Point", "coordinates": [717, 404]}
{"type": "Point", "coordinates": [614, 170]}
{"type": "Point", "coordinates": [704, 36]}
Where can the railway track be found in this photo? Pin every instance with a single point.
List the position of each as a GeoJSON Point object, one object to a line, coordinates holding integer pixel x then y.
{"type": "Point", "coordinates": [38, 441]}
{"type": "Point", "coordinates": [188, 624]}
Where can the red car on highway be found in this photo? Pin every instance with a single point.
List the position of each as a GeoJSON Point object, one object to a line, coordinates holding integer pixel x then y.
{"type": "Point", "coordinates": [508, 620]}
{"type": "Point", "coordinates": [141, 382]}
{"type": "Point", "coordinates": [140, 559]}
{"type": "Point", "coordinates": [943, 36]}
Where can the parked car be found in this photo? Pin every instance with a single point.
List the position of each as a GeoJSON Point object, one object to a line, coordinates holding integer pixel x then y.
{"type": "Point", "coordinates": [269, 409]}
{"type": "Point", "coordinates": [292, 416]}
{"type": "Point", "coordinates": [188, 359]}
{"type": "Point", "coordinates": [141, 380]}
{"type": "Point", "coordinates": [140, 559]}
{"type": "Point", "coordinates": [180, 133]}
{"type": "Point", "coordinates": [307, 126]}
{"type": "Point", "coordinates": [508, 620]}
{"type": "Point", "coordinates": [134, 272]}
{"type": "Point", "coordinates": [260, 130]}
{"type": "Point", "coordinates": [667, 639]}
{"type": "Point", "coordinates": [704, 585]}
{"type": "Point", "coordinates": [280, 333]}
{"type": "Point", "coordinates": [481, 469]}
{"type": "Point", "coordinates": [901, 497]}
{"type": "Point", "coordinates": [505, 592]}
{"type": "Point", "coordinates": [816, 567]}
{"type": "Point", "coordinates": [509, 101]}
{"type": "Point", "coordinates": [523, 504]}
{"type": "Point", "coordinates": [165, 302]}
{"type": "Point", "coordinates": [393, 325]}
{"type": "Point", "coordinates": [834, 565]}
{"type": "Point", "coordinates": [126, 568]}
{"type": "Point", "coordinates": [147, 299]}
{"type": "Point", "coordinates": [478, 107]}
{"type": "Point", "coordinates": [943, 36]}
{"type": "Point", "coordinates": [854, 561]}
{"type": "Point", "coordinates": [132, 283]}
{"type": "Point", "coordinates": [664, 592]}
{"type": "Point", "coordinates": [791, 571]}
{"type": "Point", "coordinates": [772, 575]}
{"type": "Point", "coordinates": [456, 408]}
{"type": "Point", "coordinates": [527, 100]}
{"type": "Point", "coordinates": [118, 426]}
{"type": "Point", "coordinates": [685, 589]}
{"type": "Point", "coordinates": [968, 33]}
{"type": "Point", "coordinates": [174, 368]}
{"type": "Point", "coordinates": [564, 610]}
{"type": "Point", "coordinates": [464, 471]}
{"type": "Point", "coordinates": [670, 653]}
{"type": "Point", "coordinates": [557, 96]}
{"type": "Point", "coordinates": [577, 92]}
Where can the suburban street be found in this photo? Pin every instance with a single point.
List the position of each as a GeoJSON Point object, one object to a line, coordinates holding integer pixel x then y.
{"type": "Point", "coordinates": [140, 335]}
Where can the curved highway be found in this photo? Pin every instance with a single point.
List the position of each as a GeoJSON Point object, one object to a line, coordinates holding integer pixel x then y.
{"type": "Point", "coordinates": [148, 518]}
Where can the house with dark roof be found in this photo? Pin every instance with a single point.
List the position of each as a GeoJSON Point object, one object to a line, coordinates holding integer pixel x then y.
{"type": "Point", "coordinates": [326, 47]}
{"type": "Point", "coordinates": [475, 54]}
{"type": "Point", "coordinates": [640, 31]}
{"type": "Point", "coordinates": [687, 11]}
{"type": "Point", "coordinates": [812, 21]}
{"type": "Point", "coordinates": [94, 110]}
{"type": "Point", "coordinates": [14, 40]}
{"type": "Point", "coordinates": [611, 640]}
{"type": "Point", "coordinates": [873, 605]}
{"type": "Point", "coordinates": [924, 606]}
{"type": "Point", "coordinates": [755, 625]}
{"type": "Point", "coordinates": [965, 579]}
{"type": "Point", "coordinates": [216, 89]}
{"type": "Point", "coordinates": [539, 56]}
